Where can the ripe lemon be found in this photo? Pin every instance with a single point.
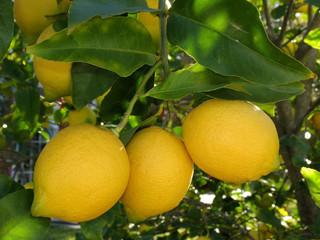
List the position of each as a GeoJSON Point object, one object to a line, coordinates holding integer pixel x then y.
{"type": "Point", "coordinates": [316, 120]}
{"type": "Point", "coordinates": [151, 22]}
{"type": "Point", "coordinates": [85, 115]}
{"type": "Point", "coordinates": [32, 16]}
{"type": "Point", "coordinates": [54, 76]}
{"type": "Point", "coordinates": [161, 171]}
{"type": "Point", "coordinates": [233, 141]}
{"type": "Point", "coordinates": [80, 174]}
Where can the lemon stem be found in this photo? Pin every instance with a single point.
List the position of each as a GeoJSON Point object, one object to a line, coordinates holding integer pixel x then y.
{"type": "Point", "coordinates": [135, 98]}
{"type": "Point", "coordinates": [163, 38]}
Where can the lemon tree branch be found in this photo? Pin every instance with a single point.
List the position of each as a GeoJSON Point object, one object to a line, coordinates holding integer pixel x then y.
{"type": "Point", "coordinates": [163, 40]}
{"type": "Point", "coordinates": [135, 98]}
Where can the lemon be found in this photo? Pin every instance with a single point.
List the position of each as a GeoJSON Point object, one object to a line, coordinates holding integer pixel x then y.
{"type": "Point", "coordinates": [28, 185]}
{"type": "Point", "coordinates": [233, 141]}
{"type": "Point", "coordinates": [151, 22]}
{"type": "Point", "coordinates": [291, 48]}
{"type": "Point", "coordinates": [68, 100]}
{"type": "Point", "coordinates": [161, 171]}
{"type": "Point", "coordinates": [85, 115]}
{"type": "Point", "coordinates": [54, 76]}
{"type": "Point", "coordinates": [316, 120]}
{"type": "Point", "coordinates": [32, 16]}
{"type": "Point", "coordinates": [80, 174]}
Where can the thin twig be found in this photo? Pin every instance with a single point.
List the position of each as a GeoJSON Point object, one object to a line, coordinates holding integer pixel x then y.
{"type": "Point", "coordinates": [285, 23]}
{"type": "Point", "coordinates": [271, 33]}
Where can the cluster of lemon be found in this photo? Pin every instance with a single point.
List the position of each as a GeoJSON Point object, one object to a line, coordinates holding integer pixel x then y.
{"type": "Point", "coordinates": [85, 169]}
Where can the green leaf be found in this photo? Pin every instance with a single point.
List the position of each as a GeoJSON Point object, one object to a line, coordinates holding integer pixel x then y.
{"type": "Point", "coordinates": [312, 177]}
{"type": "Point", "coordinates": [16, 221]}
{"type": "Point", "coordinates": [313, 2]}
{"type": "Point", "coordinates": [89, 82]}
{"type": "Point", "coordinates": [6, 26]}
{"type": "Point", "coordinates": [82, 10]}
{"type": "Point", "coordinates": [28, 102]}
{"type": "Point", "coordinates": [118, 44]}
{"type": "Point", "coordinates": [184, 82]}
{"type": "Point", "coordinates": [313, 38]}
{"type": "Point", "coordinates": [278, 12]}
{"type": "Point", "coordinates": [125, 136]}
{"type": "Point", "coordinates": [8, 185]}
{"type": "Point", "coordinates": [258, 93]}
{"type": "Point", "coordinates": [115, 103]}
{"type": "Point", "coordinates": [267, 216]}
{"type": "Point", "coordinates": [228, 37]}
{"type": "Point", "coordinates": [93, 229]}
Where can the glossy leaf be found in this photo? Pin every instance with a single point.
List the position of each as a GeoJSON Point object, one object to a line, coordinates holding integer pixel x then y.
{"type": "Point", "coordinates": [82, 10]}
{"type": "Point", "coordinates": [313, 38]}
{"type": "Point", "coordinates": [6, 25]}
{"type": "Point", "coordinates": [16, 221]}
{"type": "Point", "coordinates": [312, 177]}
{"type": "Point", "coordinates": [228, 37]}
{"type": "Point", "coordinates": [28, 102]}
{"type": "Point", "coordinates": [93, 229]}
{"type": "Point", "coordinates": [89, 82]}
{"type": "Point", "coordinates": [258, 93]}
{"type": "Point", "coordinates": [8, 185]}
{"type": "Point", "coordinates": [184, 82]}
{"type": "Point", "coordinates": [106, 43]}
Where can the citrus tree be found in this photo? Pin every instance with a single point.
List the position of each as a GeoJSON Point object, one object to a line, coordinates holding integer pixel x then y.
{"type": "Point", "coordinates": [160, 104]}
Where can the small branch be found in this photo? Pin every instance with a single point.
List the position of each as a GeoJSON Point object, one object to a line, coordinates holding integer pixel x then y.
{"type": "Point", "coordinates": [271, 33]}
{"type": "Point", "coordinates": [135, 98]}
{"type": "Point", "coordinates": [285, 23]}
{"type": "Point", "coordinates": [163, 40]}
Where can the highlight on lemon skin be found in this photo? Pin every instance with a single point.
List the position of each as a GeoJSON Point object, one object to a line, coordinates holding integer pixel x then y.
{"type": "Point", "coordinates": [233, 141]}
{"type": "Point", "coordinates": [80, 174]}
{"type": "Point", "coordinates": [54, 76]}
{"type": "Point", "coordinates": [160, 175]}
{"type": "Point", "coordinates": [33, 16]}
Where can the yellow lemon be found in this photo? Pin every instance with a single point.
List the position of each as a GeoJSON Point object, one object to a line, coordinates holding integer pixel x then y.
{"type": "Point", "coordinates": [151, 22]}
{"type": "Point", "coordinates": [85, 115]}
{"type": "Point", "coordinates": [32, 16]}
{"type": "Point", "coordinates": [54, 76]}
{"type": "Point", "coordinates": [28, 185]}
{"type": "Point", "coordinates": [161, 171]}
{"type": "Point", "coordinates": [233, 141]}
{"type": "Point", "coordinates": [80, 174]}
{"type": "Point", "coordinates": [316, 120]}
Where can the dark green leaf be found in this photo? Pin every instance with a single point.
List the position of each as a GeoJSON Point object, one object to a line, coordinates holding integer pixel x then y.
{"type": "Point", "coordinates": [127, 135]}
{"type": "Point", "coordinates": [184, 82]}
{"type": "Point", "coordinates": [93, 229]}
{"type": "Point", "coordinates": [119, 44]}
{"type": "Point", "coordinates": [228, 37]}
{"type": "Point", "coordinates": [313, 38]}
{"type": "Point", "coordinates": [6, 25]}
{"type": "Point", "coordinates": [312, 177]}
{"type": "Point", "coordinates": [313, 2]}
{"type": "Point", "coordinates": [267, 216]}
{"type": "Point", "coordinates": [28, 102]}
{"type": "Point", "coordinates": [115, 103]}
{"type": "Point", "coordinates": [258, 93]}
{"type": "Point", "coordinates": [82, 10]}
{"type": "Point", "coordinates": [278, 12]}
{"type": "Point", "coordinates": [89, 82]}
{"type": "Point", "coordinates": [16, 221]}
{"type": "Point", "coordinates": [8, 185]}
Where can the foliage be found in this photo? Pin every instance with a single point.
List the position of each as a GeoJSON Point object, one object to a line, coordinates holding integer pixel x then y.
{"type": "Point", "coordinates": [210, 49]}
